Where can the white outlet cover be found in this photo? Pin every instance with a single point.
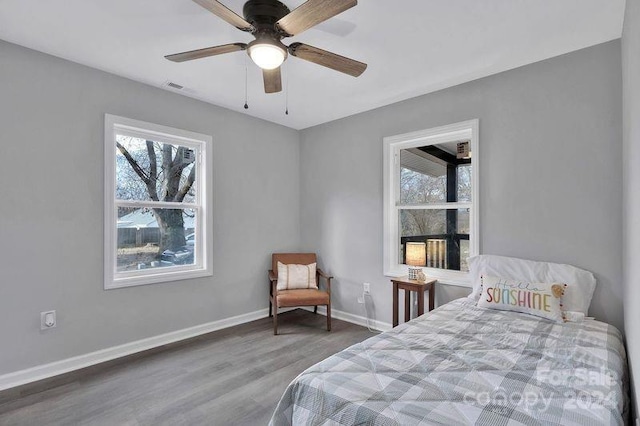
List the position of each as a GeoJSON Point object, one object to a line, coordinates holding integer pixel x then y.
{"type": "Point", "coordinates": [51, 315]}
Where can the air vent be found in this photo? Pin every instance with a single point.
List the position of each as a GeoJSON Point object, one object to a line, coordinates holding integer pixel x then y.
{"type": "Point", "coordinates": [462, 150]}
{"type": "Point", "coordinates": [174, 85]}
{"type": "Point", "coordinates": [188, 156]}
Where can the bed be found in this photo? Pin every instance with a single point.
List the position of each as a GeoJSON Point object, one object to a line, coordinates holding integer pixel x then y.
{"type": "Point", "coordinates": [462, 364]}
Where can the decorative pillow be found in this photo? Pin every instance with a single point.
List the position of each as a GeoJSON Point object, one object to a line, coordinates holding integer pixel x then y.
{"type": "Point", "coordinates": [539, 299]}
{"type": "Point", "coordinates": [296, 276]}
{"type": "Point", "coordinates": [580, 283]}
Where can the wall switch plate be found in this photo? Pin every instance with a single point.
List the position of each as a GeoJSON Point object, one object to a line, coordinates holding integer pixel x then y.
{"type": "Point", "coordinates": [366, 287]}
{"type": "Point", "coordinates": [47, 320]}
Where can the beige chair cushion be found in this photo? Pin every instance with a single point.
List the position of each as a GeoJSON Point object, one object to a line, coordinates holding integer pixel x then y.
{"type": "Point", "coordinates": [305, 297]}
{"type": "Point", "coordinates": [297, 258]}
{"type": "Point", "coordinates": [293, 276]}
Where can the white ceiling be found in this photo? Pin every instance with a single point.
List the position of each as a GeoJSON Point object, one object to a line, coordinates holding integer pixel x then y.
{"type": "Point", "coordinates": [412, 47]}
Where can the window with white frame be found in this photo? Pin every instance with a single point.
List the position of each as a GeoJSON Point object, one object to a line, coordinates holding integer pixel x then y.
{"type": "Point", "coordinates": [431, 201]}
{"type": "Point", "coordinates": [156, 213]}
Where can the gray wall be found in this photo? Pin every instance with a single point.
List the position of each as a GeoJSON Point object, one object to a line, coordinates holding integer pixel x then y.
{"type": "Point", "coordinates": [631, 151]}
{"type": "Point", "coordinates": [551, 153]}
{"type": "Point", "coordinates": [551, 180]}
{"type": "Point", "coordinates": [51, 252]}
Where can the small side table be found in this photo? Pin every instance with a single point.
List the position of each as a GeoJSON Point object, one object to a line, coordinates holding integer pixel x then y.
{"type": "Point", "coordinates": [408, 286]}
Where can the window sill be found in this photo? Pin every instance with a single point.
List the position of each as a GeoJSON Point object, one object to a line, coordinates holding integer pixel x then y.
{"type": "Point", "coordinates": [164, 276]}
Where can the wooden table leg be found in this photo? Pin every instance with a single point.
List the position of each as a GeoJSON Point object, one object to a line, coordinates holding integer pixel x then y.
{"type": "Point", "coordinates": [420, 301]}
{"type": "Point", "coordinates": [432, 296]}
{"type": "Point", "coordinates": [407, 305]}
{"type": "Point", "coordinates": [395, 304]}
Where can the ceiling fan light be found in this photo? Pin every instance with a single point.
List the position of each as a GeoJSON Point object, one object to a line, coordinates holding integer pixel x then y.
{"type": "Point", "coordinates": [267, 55]}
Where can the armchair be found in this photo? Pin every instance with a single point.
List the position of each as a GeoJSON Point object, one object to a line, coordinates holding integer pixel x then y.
{"type": "Point", "coordinates": [297, 297]}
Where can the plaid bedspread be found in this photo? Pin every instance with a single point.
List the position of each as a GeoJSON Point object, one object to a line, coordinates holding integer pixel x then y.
{"type": "Point", "coordinates": [462, 365]}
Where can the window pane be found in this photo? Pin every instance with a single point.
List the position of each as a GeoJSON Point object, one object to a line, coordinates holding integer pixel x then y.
{"type": "Point", "coordinates": [463, 221]}
{"type": "Point", "coordinates": [464, 255]}
{"type": "Point", "coordinates": [443, 244]}
{"type": "Point", "coordinates": [422, 179]}
{"type": "Point", "coordinates": [154, 238]}
{"type": "Point", "coordinates": [427, 172]}
{"type": "Point", "coordinates": [418, 222]}
{"type": "Point", "coordinates": [464, 183]}
{"type": "Point", "coordinates": [148, 170]}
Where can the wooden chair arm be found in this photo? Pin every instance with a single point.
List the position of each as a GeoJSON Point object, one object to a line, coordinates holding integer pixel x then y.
{"type": "Point", "coordinates": [273, 281]}
{"type": "Point", "coordinates": [328, 278]}
{"type": "Point", "coordinates": [323, 275]}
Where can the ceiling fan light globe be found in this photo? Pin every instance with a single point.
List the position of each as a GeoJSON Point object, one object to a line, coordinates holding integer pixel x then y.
{"type": "Point", "coordinates": [267, 56]}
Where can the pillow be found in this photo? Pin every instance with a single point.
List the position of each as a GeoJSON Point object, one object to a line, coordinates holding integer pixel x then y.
{"type": "Point", "coordinates": [296, 276]}
{"type": "Point", "coordinates": [580, 283]}
{"type": "Point", "coordinates": [539, 299]}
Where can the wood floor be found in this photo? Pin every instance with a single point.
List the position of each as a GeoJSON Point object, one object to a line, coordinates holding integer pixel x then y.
{"type": "Point", "coordinates": [234, 376]}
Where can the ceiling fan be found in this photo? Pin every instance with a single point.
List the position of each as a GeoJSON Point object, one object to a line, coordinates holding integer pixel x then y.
{"type": "Point", "coordinates": [269, 21]}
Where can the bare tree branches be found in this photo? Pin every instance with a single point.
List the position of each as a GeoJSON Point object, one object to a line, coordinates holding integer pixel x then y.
{"type": "Point", "coordinates": [165, 175]}
{"type": "Point", "coordinates": [134, 164]}
{"type": "Point", "coordinates": [153, 166]}
{"type": "Point", "coordinates": [187, 186]}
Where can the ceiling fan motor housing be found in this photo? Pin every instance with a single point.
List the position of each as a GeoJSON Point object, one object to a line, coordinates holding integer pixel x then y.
{"type": "Point", "coordinates": [263, 14]}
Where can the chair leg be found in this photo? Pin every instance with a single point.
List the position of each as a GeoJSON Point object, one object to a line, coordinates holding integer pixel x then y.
{"type": "Point", "coordinates": [329, 317]}
{"type": "Point", "coordinates": [275, 320]}
{"type": "Point", "coordinates": [315, 309]}
{"type": "Point", "coordinates": [270, 307]}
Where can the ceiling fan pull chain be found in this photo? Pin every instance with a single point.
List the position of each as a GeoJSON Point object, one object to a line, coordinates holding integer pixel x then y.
{"type": "Point", "coordinates": [286, 91]}
{"type": "Point", "coordinates": [246, 85]}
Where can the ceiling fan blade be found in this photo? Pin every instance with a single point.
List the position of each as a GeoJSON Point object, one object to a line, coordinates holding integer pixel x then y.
{"type": "Point", "coordinates": [272, 80]}
{"type": "Point", "coordinates": [327, 59]}
{"type": "Point", "coordinates": [206, 52]}
{"type": "Point", "coordinates": [227, 14]}
{"type": "Point", "coordinates": [311, 13]}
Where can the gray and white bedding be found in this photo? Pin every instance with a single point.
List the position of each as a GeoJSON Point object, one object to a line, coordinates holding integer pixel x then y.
{"type": "Point", "coordinates": [462, 365]}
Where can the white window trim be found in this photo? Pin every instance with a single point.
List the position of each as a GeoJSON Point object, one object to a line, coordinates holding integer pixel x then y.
{"type": "Point", "coordinates": [391, 167]}
{"type": "Point", "coordinates": [204, 256]}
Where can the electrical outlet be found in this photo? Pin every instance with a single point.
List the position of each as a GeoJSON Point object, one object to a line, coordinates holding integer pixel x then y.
{"type": "Point", "coordinates": [366, 287]}
{"type": "Point", "coordinates": [47, 320]}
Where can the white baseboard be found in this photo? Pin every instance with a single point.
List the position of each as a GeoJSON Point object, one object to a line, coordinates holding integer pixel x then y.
{"type": "Point", "coordinates": [354, 319]}
{"type": "Point", "coordinates": [44, 371]}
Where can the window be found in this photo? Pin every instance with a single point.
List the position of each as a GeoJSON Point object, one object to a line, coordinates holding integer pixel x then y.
{"type": "Point", "coordinates": [431, 197]}
{"type": "Point", "coordinates": [156, 214]}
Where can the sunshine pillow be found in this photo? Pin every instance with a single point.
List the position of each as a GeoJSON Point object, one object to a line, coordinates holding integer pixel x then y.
{"type": "Point", "coordinates": [539, 299]}
{"type": "Point", "coordinates": [292, 277]}
{"type": "Point", "coordinates": [580, 283]}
